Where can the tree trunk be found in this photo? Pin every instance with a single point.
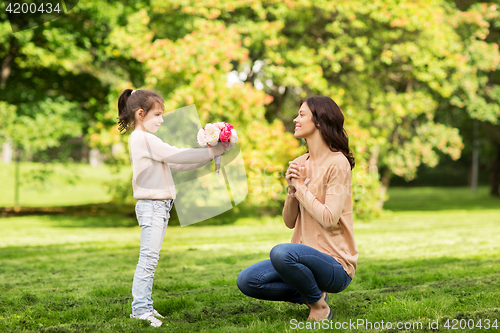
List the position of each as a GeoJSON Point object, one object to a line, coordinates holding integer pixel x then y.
{"type": "Point", "coordinates": [7, 152]}
{"type": "Point", "coordinates": [385, 176]}
{"type": "Point", "coordinates": [385, 179]}
{"type": "Point", "coordinates": [373, 162]}
{"type": "Point", "coordinates": [475, 160]}
{"type": "Point", "coordinates": [495, 173]}
{"type": "Point", "coordinates": [16, 176]}
{"type": "Point", "coordinates": [6, 66]}
{"type": "Point", "coordinates": [85, 150]}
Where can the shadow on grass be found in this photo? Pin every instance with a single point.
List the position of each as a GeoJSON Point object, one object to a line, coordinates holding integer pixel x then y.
{"type": "Point", "coordinates": [77, 210]}
{"type": "Point", "coordinates": [439, 198]}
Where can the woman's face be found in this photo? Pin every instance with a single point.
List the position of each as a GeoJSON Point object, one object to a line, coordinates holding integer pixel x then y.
{"type": "Point", "coordinates": [304, 126]}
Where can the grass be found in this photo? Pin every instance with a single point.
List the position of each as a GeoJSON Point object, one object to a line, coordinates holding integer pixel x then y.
{"type": "Point", "coordinates": [440, 198]}
{"type": "Point", "coordinates": [74, 274]}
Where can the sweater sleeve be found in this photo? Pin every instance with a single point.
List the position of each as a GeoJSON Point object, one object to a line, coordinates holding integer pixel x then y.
{"type": "Point", "coordinates": [337, 191]}
{"type": "Point", "coordinates": [163, 152]}
{"type": "Point", "coordinates": [186, 167]}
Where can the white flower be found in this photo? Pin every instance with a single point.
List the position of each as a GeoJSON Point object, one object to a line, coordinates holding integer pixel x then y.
{"type": "Point", "coordinates": [234, 136]}
{"type": "Point", "coordinates": [220, 124]}
{"type": "Point", "coordinates": [202, 141]}
{"type": "Point", "coordinates": [212, 134]}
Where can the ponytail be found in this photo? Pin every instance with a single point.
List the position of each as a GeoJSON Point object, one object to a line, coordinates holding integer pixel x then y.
{"type": "Point", "coordinates": [123, 116]}
{"type": "Point", "coordinates": [128, 104]}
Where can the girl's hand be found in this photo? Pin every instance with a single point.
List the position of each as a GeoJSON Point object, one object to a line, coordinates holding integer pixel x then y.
{"type": "Point", "coordinates": [219, 150]}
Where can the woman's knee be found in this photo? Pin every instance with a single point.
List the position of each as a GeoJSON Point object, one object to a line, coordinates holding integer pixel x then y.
{"type": "Point", "coordinates": [243, 282]}
{"type": "Point", "coordinates": [281, 253]}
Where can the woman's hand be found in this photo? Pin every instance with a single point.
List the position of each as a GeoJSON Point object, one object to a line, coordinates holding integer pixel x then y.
{"type": "Point", "coordinates": [303, 174]}
{"type": "Point", "coordinates": [291, 173]}
{"type": "Point", "coordinates": [296, 175]}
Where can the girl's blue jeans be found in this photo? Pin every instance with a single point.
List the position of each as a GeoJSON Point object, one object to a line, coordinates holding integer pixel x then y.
{"type": "Point", "coordinates": [295, 273]}
{"type": "Point", "coordinates": [152, 216]}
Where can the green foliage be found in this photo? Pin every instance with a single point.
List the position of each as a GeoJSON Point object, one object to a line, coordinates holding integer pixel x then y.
{"type": "Point", "coordinates": [402, 71]}
{"type": "Point", "coordinates": [193, 70]}
{"type": "Point", "coordinates": [390, 65]}
{"type": "Point", "coordinates": [119, 190]}
{"type": "Point", "coordinates": [43, 124]}
{"type": "Point", "coordinates": [7, 112]}
{"type": "Point", "coordinates": [365, 193]}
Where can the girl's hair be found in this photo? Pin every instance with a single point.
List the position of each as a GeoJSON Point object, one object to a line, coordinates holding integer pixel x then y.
{"type": "Point", "coordinates": [329, 120]}
{"type": "Point", "coordinates": [132, 100]}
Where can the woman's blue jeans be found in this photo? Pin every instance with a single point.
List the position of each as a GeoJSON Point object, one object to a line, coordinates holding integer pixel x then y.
{"type": "Point", "coordinates": [295, 273]}
{"type": "Point", "coordinates": [152, 216]}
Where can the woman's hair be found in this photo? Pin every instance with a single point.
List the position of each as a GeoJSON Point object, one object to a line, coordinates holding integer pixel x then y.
{"type": "Point", "coordinates": [132, 100]}
{"type": "Point", "coordinates": [329, 120]}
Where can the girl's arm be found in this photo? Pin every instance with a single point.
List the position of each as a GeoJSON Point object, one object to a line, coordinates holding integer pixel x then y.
{"type": "Point", "coordinates": [186, 167]}
{"type": "Point", "coordinates": [163, 152]}
{"type": "Point", "coordinates": [290, 211]}
{"type": "Point", "coordinates": [337, 192]}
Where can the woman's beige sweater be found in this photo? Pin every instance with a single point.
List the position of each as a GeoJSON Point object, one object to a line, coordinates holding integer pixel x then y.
{"type": "Point", "coordinates": [321, 211]}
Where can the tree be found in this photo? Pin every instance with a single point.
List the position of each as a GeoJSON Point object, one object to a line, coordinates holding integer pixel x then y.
{"type": "Point", "coordinates": [52, 79]}
{"type": "Point", "coordinates": [386, 64]}
{"type": "Point", "coordinates": [399, 70]}
{"type": "Point", "coordinates": [477, 102]}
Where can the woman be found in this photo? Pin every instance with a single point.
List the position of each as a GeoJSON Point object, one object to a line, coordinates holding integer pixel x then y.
{"type": "Point", "coordinates": [322, 255]}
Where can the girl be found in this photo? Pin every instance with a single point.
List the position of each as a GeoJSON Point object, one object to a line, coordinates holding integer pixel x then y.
{"type": "Point", "coordinates": [322, 255]}
{"type": "Point", "coordinates": [140, 111]}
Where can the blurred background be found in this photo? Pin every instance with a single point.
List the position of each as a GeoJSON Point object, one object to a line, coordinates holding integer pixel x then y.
{"type": "Point", "coordinates": [418, 82]}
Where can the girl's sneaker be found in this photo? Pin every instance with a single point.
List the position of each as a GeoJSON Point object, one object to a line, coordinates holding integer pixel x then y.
{"type": "Point", "coordinates": [157, 314]}
{"type": "Point", "coordinates": [149, 316]}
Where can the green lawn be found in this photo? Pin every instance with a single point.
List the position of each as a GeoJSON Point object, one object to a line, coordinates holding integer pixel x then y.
{"type": "Point", "coordinates": [88, 187]}
{"type": "Point", "coordinates": [74, 274]}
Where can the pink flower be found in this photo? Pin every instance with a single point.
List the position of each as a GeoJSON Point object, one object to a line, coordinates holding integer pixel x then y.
{"type": "Point", "coordinates": [217, 132]}
{"type": "Point", "coordinates": [225, 134]}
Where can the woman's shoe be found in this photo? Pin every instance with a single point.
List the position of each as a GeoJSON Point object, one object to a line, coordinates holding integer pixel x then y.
{"type": "Point", "coordinates": [330, 315]}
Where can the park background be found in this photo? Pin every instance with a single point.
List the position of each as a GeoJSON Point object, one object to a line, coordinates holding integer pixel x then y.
{"type": "Point", "coordinates": [419, 85]}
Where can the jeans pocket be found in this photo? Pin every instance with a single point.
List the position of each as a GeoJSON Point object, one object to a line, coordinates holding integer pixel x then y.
{"type": "Point", "coordinates": [346, 283]}
{"type": "Point", "coordinates": [170, 204]}
{"type": "Point", "coordinates": [164, 204]}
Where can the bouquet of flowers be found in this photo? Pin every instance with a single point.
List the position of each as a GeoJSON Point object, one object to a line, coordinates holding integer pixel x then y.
{"type": "Point", "coordinates": [213, 133]}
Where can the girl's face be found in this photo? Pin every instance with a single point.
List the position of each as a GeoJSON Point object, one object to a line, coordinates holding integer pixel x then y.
{"type": "Point", "coordinates": [304, 126]}
{"type": "Point", "coordinates": [152, 120]}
